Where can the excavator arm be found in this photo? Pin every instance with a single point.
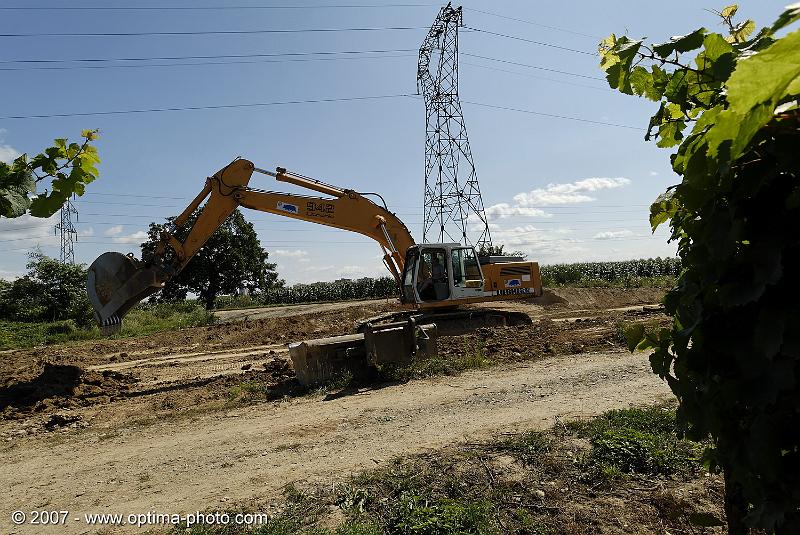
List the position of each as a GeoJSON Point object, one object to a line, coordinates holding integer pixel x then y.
{"type": "Point", "coordinates": [117, 282]}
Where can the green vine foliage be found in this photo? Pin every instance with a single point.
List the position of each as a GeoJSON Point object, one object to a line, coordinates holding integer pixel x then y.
{"type": "Point", "coordinates": [729, 103]}
{"type": "Point", "coordinates": [68, 167]}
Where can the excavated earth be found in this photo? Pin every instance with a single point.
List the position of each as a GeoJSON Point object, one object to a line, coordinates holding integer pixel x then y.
{"type": "Point", "coordinates": [135, 424]}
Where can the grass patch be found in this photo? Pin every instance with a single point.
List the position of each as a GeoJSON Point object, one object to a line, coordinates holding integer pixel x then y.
{"type": "Point", "coordinates": [416, 515]}
{"type": "Point", "coordinates": [468, 353]}
{"type": "Point", "coordinates": [141, 320]}
{"type": "Point", "coordinates": [528, 447]}
{"type": "Point", "coordinates": [537, 482]}
{"type": "Point", "coordinates": [247, 391]}
{"type": "Point", "coordinates": [638, 440]}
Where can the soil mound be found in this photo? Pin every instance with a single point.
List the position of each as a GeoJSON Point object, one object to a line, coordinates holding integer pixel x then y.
{"type": "Point", "coordinates": [60, 386]}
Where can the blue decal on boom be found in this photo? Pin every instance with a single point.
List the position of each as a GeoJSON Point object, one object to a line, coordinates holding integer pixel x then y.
{"type": "Point", "coordinates": [286, 207]}
{"type": "Point", "coordinates": [513, 283]}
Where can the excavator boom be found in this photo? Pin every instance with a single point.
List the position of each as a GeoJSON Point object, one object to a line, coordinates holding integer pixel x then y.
{"type": "Point", "coordinates": [117, 282]}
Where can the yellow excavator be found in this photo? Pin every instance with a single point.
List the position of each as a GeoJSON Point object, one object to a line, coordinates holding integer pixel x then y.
{"type": "Point", "coordinates": [431, 276]}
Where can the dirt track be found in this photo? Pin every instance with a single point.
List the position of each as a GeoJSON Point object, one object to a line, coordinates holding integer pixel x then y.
{"type": "Point", "coordinates": [222, 458]}
{"type": "Point", "coordinates": [169, 422]}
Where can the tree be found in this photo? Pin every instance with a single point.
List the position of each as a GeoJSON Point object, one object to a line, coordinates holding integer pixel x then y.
{"type": "Point", "coordinates": [497, 250]}
{"type": "Point", "coordinates": [231, 259]}
{"type": "Point", "coordinates": [50, 291]}
{"type": "Point", "coordinates": [68, 167]}
{"type": "Point", "coordinates": [732, 356]}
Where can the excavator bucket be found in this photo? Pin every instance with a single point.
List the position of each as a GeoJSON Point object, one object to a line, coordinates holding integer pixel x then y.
{"type": "Point", "coordinates": [115, 283]}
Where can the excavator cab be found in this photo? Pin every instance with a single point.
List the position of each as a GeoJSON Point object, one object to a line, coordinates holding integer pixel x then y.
{"type": "Point", "coordinates": [441, 274]}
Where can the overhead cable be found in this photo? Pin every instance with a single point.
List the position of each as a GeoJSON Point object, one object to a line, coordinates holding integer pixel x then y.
{"type": "Point", "coordinates": [532, 41]}
{"type": "Point", "coordinates": [549, 27]}
{"type": "Point", "coordinates": [211, 32]}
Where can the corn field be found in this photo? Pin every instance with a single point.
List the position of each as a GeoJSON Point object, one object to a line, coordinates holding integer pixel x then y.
{"type": "Point", "coordinates": [341, 290]}
{"type": "Point", "coordinates": [626, 273]}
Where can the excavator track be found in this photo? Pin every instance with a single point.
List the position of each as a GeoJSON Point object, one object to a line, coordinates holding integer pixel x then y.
{"type": "Point", "coordinates": [451, 322]}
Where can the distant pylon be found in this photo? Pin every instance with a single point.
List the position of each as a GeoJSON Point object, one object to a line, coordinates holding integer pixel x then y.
{"type": "Point", "coordinates": [68, 233]}
{"type": "Point", "coordinates": [452, 194]}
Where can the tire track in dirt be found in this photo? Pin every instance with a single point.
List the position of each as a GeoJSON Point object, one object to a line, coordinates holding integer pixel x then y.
{"type": "Point", "coordinates": [217, 459]}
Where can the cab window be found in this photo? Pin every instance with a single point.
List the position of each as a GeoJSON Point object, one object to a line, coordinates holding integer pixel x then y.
{"type": "Point", "coordinates": [465, 268]}
{"type": "Point", "coordinates": [432, 282]}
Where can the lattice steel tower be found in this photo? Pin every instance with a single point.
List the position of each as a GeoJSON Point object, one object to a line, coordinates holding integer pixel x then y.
{"type": "Point", "coordinates": [452, 195]}
{"type": "Point", "coordinates": [68, 233]}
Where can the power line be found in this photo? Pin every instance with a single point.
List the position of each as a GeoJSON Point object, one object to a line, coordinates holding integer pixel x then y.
{"type": "Point", "coordinates": [268, 58]}
{"type": "Point", "coordinates": [537, 67]}
{"type": "Point", "coordinates": [137, 195]}
{"type": "Point", "coordinates": [573, 32]}
{"type": "Point", "coordinates": [206, 8]}
{"type": "Point", "coordinates": [199, 63]}
{"type": "Point", "coordinates": [213, 32]}
{"type": "Point", "coordinates": [531, 41]}
{"type": "Point", "coordinates": [288, 102]}
{"type": "Point", "coordinates": [220, 56]}
{"type": "Point", "coordinates": [553, 115]}
{"type": "Point", "coordinates": [193, 108]}
{"type": "Point", "coordinates": [528, 75]}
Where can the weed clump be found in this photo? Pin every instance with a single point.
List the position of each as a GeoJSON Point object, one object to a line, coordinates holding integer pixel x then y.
{"type": "Point", "coordinates": [638, 440]}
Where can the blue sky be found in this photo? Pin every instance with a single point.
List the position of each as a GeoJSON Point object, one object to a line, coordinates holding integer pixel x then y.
{"type": "Point", "coordinates": [558, 189]}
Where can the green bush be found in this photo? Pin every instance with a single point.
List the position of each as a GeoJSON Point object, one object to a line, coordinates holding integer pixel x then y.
{"type": "Point", "coordinates": [61, 327]}
{"type": "Point", "coordinates": [629, 450]}
{"type": "Point", "coordinates": [640, 440]}
{"type": "Point", "coordinates": [50, 291]}
{"type": "Point", "coordinates": [418, 516]}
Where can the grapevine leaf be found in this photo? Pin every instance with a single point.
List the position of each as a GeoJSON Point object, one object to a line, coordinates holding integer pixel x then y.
{"type": "Point", "coordinates": [742, 31]}
{"type": "Point", "coordinates": [794, 88]}
{"type": "Point", "coordinates": [683, 43]}
{"type": "Point", "coordinates": [756, 86]}
{"type": "Point", "coordinates": [641, 80]}
{"type": "Point", "coordinates": [617, 62]}
{"type": "Point", "coordinates": [670, 133]}
{"type": "Point", "coordinates": [789, 16]}
{"type": "Point", "coordinates": [729, 11]}
{"type": "Point", "coordinates": [662, 209]}
{"type": "Point", "coordinates": [47, 205]}
{"type": "Point", "coordinates": [633, 335]}
{"type": "Point", "coordinates": [714, 46]}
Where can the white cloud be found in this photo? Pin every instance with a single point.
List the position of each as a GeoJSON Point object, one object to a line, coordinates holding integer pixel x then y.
{"type": "Point", "coordinates": [653, 173]}
{"type": "Point", "coordinates": [135, 238]}
{"type": "Point", "coordinates": [114, 231]}
{"type": "Point", "coordinates": [613, 235]}
{"type": "Point", "coordinates": [8, 153]}
{"type": "Point", "coordinates": [570, 192]}
{"type": "Point", "coordinates": [527, 204]}
{"type": "Point", "coordinates": [297, 253]}
{"type": "Point", "coordinates": [86, 233]}
{"type": "Point", "coordinates": [10, 275]}
{"type": "Point", "coordinates": [504, 210]}
{"type": "Point", "coordinates": [332, 272]}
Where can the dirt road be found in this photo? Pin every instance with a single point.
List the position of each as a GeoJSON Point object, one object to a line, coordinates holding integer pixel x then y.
{"type": "Point", "coordinates": [217, 459]}
{"type": "Point", "coordinates": [245, 314]}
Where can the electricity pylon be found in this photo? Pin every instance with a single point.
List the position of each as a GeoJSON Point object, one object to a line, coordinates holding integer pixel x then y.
{"type": "Point", "coordinates": [68, 233]}
{"type": "Point", "coordinates": [452, 194]}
